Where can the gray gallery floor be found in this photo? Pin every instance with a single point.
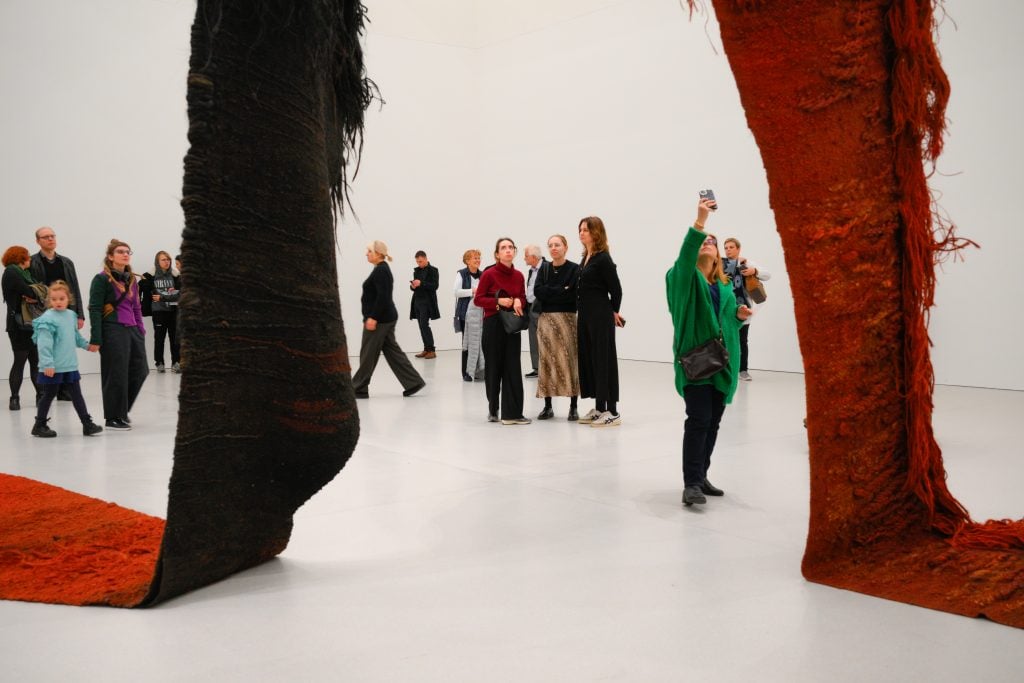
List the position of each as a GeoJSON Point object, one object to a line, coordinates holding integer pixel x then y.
{"type": "Point", "coordinates": [451, 549]}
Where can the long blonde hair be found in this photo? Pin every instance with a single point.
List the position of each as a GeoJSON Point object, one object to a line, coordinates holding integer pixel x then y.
{"type": "Point", "coordinates": [717, 271]}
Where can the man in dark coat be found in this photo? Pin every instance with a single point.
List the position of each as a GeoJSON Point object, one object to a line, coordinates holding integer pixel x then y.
{"type": "Point", "coordinates": [47, 266]}
{"type": "Point", "coordinates": [423, 308]}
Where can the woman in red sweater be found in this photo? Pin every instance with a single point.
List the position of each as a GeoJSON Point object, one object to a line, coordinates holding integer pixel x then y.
{"type": "Point", "coordinates": [502, 287]}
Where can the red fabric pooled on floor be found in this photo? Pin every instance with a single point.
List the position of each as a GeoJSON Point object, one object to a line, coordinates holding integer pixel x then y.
{"type": "Point", "coordinates": [62, 547]}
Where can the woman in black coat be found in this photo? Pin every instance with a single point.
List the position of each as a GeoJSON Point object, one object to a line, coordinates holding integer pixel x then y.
{"type": "Point", "coordinates": [599, 297]}
{"type": "Point", "coordinates": [379, 318]}
{"type": "Point", "coordinates": [16, 288]}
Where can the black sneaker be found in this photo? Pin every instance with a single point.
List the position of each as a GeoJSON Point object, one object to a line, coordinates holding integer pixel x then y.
{"type": "Point", "coordinates": [15, 403]}
{"type": "Point", "coordinates": [90, 428]}
{"type": "Point", "coordinates": [40, 429]}
{"type": "Point", "coordinates": [118, 425]}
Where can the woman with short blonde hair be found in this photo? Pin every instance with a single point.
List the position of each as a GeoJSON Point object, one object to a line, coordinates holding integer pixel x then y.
{"type": "Point", "coordinates": [469, 318]}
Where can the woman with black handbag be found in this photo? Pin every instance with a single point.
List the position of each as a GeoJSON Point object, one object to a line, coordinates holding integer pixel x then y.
{"type": "Point", "coordinates": [17, 288]}
{"type": "Point", "coordinates": [706, 320]}
{"type": "Point", "coordinates": [501, 294]}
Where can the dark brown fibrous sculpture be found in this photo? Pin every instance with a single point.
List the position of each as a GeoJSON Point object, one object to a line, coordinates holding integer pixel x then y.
{"type": "Point", "coordinates": [846, 100]}
{"type": "Point", "coordinates": [276, 95]}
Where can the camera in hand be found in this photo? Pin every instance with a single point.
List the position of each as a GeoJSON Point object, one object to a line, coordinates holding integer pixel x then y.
{"type": "Point", "coordinates": [709, 194]}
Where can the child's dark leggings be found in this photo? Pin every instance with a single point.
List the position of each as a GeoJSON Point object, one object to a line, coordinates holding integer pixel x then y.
{"type": "Point", "coordinates": [47, 392]}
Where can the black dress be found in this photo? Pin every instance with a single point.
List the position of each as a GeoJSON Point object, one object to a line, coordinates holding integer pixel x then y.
{"type": "Point", "coordinates": [599, 295]}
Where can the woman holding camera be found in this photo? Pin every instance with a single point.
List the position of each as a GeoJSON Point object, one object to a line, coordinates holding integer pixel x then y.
{"type": "Point", "coordinates": [703, 307]}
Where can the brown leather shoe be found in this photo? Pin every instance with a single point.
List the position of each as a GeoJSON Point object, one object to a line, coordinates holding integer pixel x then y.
{"type": "Point", "coordinates": [429, 354]}
{"type": "Point", "coordinates": [421, 354]}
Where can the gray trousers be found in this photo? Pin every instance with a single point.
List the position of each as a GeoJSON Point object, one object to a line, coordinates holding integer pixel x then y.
{"type": "Point", "coordinates": [534, 354]}
{"type": "Point", "coordinates": [382, 340]}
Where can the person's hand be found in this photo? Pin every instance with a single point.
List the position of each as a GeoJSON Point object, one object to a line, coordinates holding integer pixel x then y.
{"type": "Point", "coordinates": [747, 272]}
{"type": "Point", "coordinates": [49, 372]}
{"type": "Point", "coordinates": [371, 324]}
{"type": "Point", "coordinates": [415, 283]}
{"type": "Point", "coordinates": [156, 297]}
{"type": "Point", "coordinates": [81, 324]}
{"type": "Point", "coordinates": [703, 211]}
{"type": "Point", "coordinates": [743, 312]}
{"type": "Point", "coordinates": [619, 320]}
{"type": "Point", "coordinates": [517, 306]}
{"type": "Point", "coordinates": [93, 348]}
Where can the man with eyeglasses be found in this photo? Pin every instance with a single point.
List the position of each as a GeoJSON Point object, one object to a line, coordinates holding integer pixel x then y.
{"type": "Point", "coordinates": [47, 266]}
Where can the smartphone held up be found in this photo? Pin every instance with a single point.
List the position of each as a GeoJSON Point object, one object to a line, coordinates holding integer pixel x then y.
{"type": "Point", "coordinates": [709, 194]}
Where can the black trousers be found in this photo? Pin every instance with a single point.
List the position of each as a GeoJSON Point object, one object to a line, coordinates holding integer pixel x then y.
{"type": "Point", "coordinates": [423, 318]}
{"type": "Point", "coordinates": [48, 392]}
{"type": "Point", "coordinates": [744, 331]}
{"type": "Point", "coordinates": [502, 372]}
{"type": "Point", "coordinates": [123, 368]}
{"type": "Point", "coordinates": [165, 324]}
{"type": "Point", "coordinates": [24, 352]}
{"type": "Point", "coordinates": [382, 340]}
{"type": "Point", "coordinates": [704, 408]}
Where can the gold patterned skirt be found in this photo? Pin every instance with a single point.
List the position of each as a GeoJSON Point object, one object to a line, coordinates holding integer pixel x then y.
{"type": "Point", "coordinates": [558, 374]}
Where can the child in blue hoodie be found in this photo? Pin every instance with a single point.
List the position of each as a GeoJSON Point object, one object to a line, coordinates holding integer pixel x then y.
{"type": "Point", "coordinates": [56, 335]}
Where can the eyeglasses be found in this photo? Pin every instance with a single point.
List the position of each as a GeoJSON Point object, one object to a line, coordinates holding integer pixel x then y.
{"type": "Point", "coordinates": [127, 252]}
{"type": "Point", "coordinates": [47, 237]}
{"type": "Point", "coordinates": [712, 241]}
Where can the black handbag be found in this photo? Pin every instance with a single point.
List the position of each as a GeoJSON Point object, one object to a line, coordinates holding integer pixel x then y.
{"type": "Point", "coordinates": [705, 360]}
{"type": "Point", "coordinates": [514, 324]}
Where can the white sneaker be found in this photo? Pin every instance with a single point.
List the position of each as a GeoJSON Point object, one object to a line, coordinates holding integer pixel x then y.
{"type": "Point", "coordinates": [589, 417]}
{"type": "Point", "coordinates": [160, 367]}
{"type": "Point", "coordinates": [745, 376]}
{"type": "Point", "coordinates": [606, 419]}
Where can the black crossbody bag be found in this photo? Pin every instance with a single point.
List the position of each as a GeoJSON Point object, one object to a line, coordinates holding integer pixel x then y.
{"type": "Point", "coordinates": [705, 360]}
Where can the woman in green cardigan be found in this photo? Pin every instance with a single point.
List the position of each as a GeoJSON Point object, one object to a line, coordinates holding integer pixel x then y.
{"type": "Point", "coordinates": [702, 303]}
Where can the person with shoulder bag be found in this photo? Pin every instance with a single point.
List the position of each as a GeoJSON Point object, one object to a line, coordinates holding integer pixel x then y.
{"type": "Point", "coordinates": [501, 294]}
{"type": "Point", "coordinates": [747, 286]}
{"type": "Point", "coordinates": [19, 288]}
{"type": "Point", "coordinates": [706, 320]}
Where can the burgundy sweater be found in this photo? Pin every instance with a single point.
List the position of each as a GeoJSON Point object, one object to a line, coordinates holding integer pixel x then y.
{"type": "Point", "coordinates": [499, 278]}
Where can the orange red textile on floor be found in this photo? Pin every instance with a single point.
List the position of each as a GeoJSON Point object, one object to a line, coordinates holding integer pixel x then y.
{"type": "Point", "coordinates": [62, 547]}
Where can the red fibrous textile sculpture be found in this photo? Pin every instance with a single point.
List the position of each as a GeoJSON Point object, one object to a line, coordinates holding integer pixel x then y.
{"type": "Point", "coordinates": [846, 100]}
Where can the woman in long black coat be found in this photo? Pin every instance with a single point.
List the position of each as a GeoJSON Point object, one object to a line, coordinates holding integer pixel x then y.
{"type": "Point", "coordinates": [599, 297]}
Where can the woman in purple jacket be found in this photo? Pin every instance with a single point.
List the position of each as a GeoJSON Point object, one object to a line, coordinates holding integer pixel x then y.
{"type": "Point", "coordinates": [115, 322]}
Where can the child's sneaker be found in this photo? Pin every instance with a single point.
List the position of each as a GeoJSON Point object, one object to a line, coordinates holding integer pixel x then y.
{"type": "Point", "coordinates": [90, 428]}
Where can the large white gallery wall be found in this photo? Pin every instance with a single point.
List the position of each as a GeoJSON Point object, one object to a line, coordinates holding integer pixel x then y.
{"type": "Point", "coordinates": [505, 119]}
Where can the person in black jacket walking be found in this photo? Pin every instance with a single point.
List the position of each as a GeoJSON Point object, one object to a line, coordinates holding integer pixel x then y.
{"type": "Point", "coordinates": [379, 319]}
{"type": "Point", "coordinates": [423, 307]}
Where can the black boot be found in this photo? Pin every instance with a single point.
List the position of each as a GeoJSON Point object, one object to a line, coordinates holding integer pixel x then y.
{"type": "Point", "coordinates": [465, 360]}
{"type": "Point", "coordinates": [40, 429]}
{"type": "Point", "coordinates": [15, 403]}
